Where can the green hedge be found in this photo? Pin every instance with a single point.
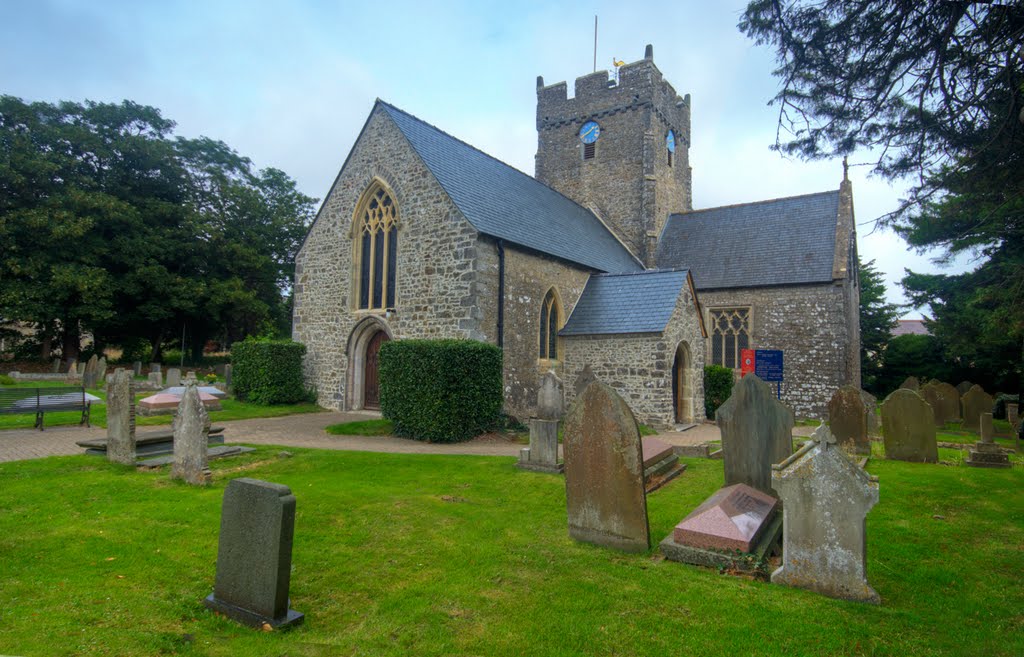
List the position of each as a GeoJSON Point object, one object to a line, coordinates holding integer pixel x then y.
{"type": "Point", "coordinates": [440, 391]}
{"type": "Point", "coordinates": [268, 371]}
{"type": "Point", "coordinates": [717, 388]}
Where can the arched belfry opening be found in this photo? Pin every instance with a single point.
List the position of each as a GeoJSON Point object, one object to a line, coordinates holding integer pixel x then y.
{"type": "Point", "coordinates": [682, 385]}
{"type": "Point", "coordinates": [363, 377]}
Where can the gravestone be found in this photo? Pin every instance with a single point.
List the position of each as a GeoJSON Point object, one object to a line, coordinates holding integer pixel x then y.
{"type": "Point", "coordinates": [156, 379]}
{"type": "Point", "coordinates": [173, 377]}
{"type": "Point", "coordinates": [930, 394]}
{"type": "Point", "coordinates": [191, 375]}
{"type": "Point", "coordinates": [986, 453]}
{"type": "Point", "coordinates": [154, 367]}
{"type": "Point", "coordinates": [81, 368]}
{"type": "Point", "coordinates": [72, 367]}
{"type": "Point", "coordinates": [604, 479]}
{"type": "Point", "coordinates": [911, 383]}
{"type": "Point", "coordinates": [948, 403]}
{"type": "Point", "coordinates": [254, 554]}
{"type": "Point", "coordinates": [733, 518]}
{"type": "Point", "coordinates": [584, 379]}
{"type": "Point", "coordinates": [550, 397]}
{"type": "Point", "coordinates": [101, 370]}
{"type": "Point", "coordinates": [191, 434]}
{"type": "Point", "coordinates": [871, 412]}
{"type": "Point", "coordinates": [227, 376]}
{"type": "Point", "coordinates": [976, 402]}
{"type": "Point", "coordinates": [1012, 414]}
{"type": "Point", "coordinates": [219, 369]}
{"type": "Point", "coordinates": [963, 387]}
{"type": "Point", "coordinates": [55, 366]}
{"type": "Point", "coordinates": [121, 419]}
{"type": "Point", "coordinates": [542, 454]}
{"type": "Point", "coordinates": [757, 431]}
{"type": "Point", "coordinates": [825, 501]}
{"type": "Point", "coordinates": [908, 425]}
{"type": "Point", "coordinates": [849, 420]}
{"type": "Point", "coordinates": [89, 375]}
{"type": "Point", "coordinates": [137, 367]}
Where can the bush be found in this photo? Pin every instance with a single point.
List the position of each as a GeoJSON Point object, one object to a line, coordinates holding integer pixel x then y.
{"type": "Point", "coordinates": [717, 388]}
{"type": "Point", "coordinates": [441, 391]}
{"type": "Point", "coordinates": [269, 371]}
{"type": "Point", "coordinates": [6, 380]}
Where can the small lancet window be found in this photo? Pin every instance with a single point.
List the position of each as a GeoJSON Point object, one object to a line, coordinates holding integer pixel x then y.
{"type": "Point", "coordinates": [377, 250]}
{"type": "Point", "coordinates": [550, 322]}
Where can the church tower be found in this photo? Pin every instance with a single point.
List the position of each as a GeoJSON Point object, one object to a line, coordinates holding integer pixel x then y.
{"type": "Point", "coordinates": [619, 147]}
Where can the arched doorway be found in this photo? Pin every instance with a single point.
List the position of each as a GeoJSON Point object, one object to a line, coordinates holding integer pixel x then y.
{"type": "Point", "coordinates": [682, 385]}
{"type": "Point", "coordinates": [371, 373]}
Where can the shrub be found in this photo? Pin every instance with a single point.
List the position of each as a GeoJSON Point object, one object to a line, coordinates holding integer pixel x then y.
{"type": "Point", "coordinates": [6, 380]}
{"type": "Point", "coordinates": [717, 388]}
{"type": "Point", "coordinates": [269, 371]}
{"type": "Point", "coordinates": [440, 391]}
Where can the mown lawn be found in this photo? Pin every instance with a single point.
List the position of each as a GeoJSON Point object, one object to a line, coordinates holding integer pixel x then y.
{"type": "Point", "coordinates": [448, 555]}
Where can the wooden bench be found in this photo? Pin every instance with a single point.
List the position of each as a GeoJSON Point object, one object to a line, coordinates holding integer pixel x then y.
{"type": "Point", "coordinates": [14, 401]}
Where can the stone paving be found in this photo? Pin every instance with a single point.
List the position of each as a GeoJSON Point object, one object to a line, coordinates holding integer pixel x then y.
{"type": "Point", "coordinates": [306, 430]}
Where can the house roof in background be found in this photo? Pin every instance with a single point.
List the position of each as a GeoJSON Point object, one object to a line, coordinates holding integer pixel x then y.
{"type": "Point", "coordinates": [910, 327]}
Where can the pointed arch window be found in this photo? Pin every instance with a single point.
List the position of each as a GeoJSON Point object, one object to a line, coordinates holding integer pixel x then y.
{"type": "Point", "coordinates": [376, 246]}
{"type": "Point", "coordinates": [550, 322]}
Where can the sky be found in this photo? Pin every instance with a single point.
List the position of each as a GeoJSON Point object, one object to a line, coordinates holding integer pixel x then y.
{"type": "Point", "coordinates": [290, 84]}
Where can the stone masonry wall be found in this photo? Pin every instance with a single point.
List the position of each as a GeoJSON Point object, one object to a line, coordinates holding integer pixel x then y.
{"type": "Point", "coordinates": [528, 277]}
{"type": "Point", "coordinates": [436, 294]}
{"type": "Point", "coordinates": [810, 325]}
{"type": "Point", "coordinates": [639, 366]}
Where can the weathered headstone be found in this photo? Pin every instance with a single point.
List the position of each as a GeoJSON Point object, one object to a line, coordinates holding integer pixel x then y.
{"type": "Point", "coordinates": [101, 370]}
{"type": "Point", "coordinates": [911, 383]}
{"type": "Point", "coordinates": [191, 431]}
{"type": "Point", "coordinates": [963, 387]}
{"type": "Point", "coordinates": [849, 421]}
{"type": "Point", "coordinates": [550, 397]}
{"type": "Point", "coordinates": [89, 376]}
{"type": "Point", "coordinates": [757, 431]}
{"type": "Point", "coordinates": [542, 454]}
{"type": "Point", "coordinates": [72, 367]}
{"type": "Point", "coordinates": [154, 367]}
{"type": "Point", "coordinates": [191, 376]}
{"type": "Point", "coordinates": [930, 394]}
{"type": "Point", "coordinates": [254, 554]}
{"type": "Point", "coordinates": [986, 453]}
{"type": "Point", "coordinates": [173, 377]}
{"type": "Point", "coordinates": [584, 379]}
{"type": "Point", "coordinates": [218, 369]}
{"type": "Point", "coordinates": [871, 412]}
{"type": "Point", "coordinates": [948, 401]}
{"type": "Point", "coordinates": [137, 367]}
{"type": "Point", "coordinates": [976, 402]}
{"type": "Point", "coordinates": [227, 376]}
{"type": "Point", "coordinates": [908, 425]}
{"type": "Point", "coordinates": [55, 366]}
{"type": "Point", "coordinates": [121, 419]}
{"type": "Point", "coordinates": [825, 501]}
{"type": "Point", "coordinates": [81, 368]}
{"type": "Point", "coordinates": [156, 379]}
{"type": "Point", "coordinates": [604, 478]}
{"type": "Point", "coordinates": [1012, 414]}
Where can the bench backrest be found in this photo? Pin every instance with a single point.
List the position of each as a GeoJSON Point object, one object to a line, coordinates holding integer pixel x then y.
{"type": "Point", "coordinates": [33, 400]}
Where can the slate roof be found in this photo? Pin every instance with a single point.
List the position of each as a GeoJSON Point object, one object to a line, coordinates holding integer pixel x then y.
{"type": "Point", "coordinates": [910, 327]}
{"type": "Point", "coordinates": [784, 241]}
{"type": "Point", "coordinates": [503, 202]}
{"type": "Point", "coordinates": [641, 302]}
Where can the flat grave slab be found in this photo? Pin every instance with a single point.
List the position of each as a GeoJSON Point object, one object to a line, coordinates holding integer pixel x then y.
{"type": "Point", "coordinates": [743, 562]}
{"type": "Point", "coordinates": [164, 403]}
{"type": "Point", "coordinates": [207, 390]}
{"type": "Point", "coordinates": [220, 451]}
{"type": "Point", "coordinates": [152, 443]}
{"type": "Point", "coordinates": [661, 463]}
{"type": "Point", "coordinates": [733, 518]}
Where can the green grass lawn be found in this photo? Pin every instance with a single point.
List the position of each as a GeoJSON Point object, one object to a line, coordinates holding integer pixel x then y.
{"type": "Point", "coordinates": [362, 428]}
{"type": "Point", "coordinates": [435, 555]}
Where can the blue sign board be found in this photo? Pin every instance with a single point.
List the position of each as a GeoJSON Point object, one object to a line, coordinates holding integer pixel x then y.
{"type": "Point", "coordinates": [768, 365]}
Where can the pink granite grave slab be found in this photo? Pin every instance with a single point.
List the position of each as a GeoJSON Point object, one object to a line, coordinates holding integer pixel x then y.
{"type": "Point", "coordinates": [654, 450]}
{"type": "Point", "coordinates": [731, 519]}
{"type": "Point", "coordinates": [164, 400]}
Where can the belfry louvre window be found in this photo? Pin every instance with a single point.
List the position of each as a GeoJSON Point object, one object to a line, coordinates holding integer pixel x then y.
{"type": "Point", "coordinates": [730, 333]}
{"type": "Point", "coordinates": [377, 250]}
{"type": "Point", "coordinates": [589, 150]}
{"type": "Point", "coordinates": [549, 325]}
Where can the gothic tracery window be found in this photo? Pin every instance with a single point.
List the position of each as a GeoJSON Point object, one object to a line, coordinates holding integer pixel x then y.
{"type": "Point", "coordinates": [730, 334]}
{"type": "Point", "coordinates": [376, 250]}
{"type": "Point", "coordinates": [550, 322]}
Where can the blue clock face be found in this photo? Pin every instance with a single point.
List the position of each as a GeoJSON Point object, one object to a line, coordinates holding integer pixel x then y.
{"type": "Point", "coordinates": [670, 141]}
{"type": "Point", "coordinates": [590, 132]}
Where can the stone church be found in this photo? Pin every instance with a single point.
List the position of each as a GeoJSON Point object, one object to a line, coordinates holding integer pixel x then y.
{"type": "Point", "coordinates": [597, 264]}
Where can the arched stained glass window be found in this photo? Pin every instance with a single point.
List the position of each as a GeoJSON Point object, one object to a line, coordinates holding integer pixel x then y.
{"type": "Point", "coordinates": [376, 249]}
{"type": "Point", "coordinates": [550, 322]}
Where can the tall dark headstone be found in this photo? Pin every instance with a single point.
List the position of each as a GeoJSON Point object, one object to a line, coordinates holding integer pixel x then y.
{"type": "Point", "coordinates": [757, 431]}
{"type": "Point", "coordinates": [848, 420]}
{"type": "Point", "coordinates": [254, 557]}
{"type": "Point", "coordinates": [604, 472]}
{"type": "Point", "coordinates": [908, 425]}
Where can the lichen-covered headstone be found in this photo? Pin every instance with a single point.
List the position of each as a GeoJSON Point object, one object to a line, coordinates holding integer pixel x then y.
{"type": "Point", "coordinates": [55, 366]}
{"type": "Point", "coordinates": [874, 424]}
{"type": "Point", "coordinates": [173, 377]}
{"type": "Point", "coordinates": [137, 368]}
{"type": "Point", "coordinates": [930, 394]}
{"type": "Point", "coordinates": [948, 403]}
{"type": "Point", "coordinates": [911, 383]}
{"type": "Point", "coordinates": [604, 478]}
{"type": "Point", "coordinates": [101, 369]}
{"type": "Point", "coordinates": [121, 419]}
{"type": "Point", "coordinates": [908, 425]}
{"type": "Point", "coordinates": [542, 454]}
{"type": "Point", "coordinates": [1012, 414]}
{"type": "Point", "coordinates": [848, 420]}
{"type": "Point", "coordinates": [191, 439]}
{"type": "Point", "coordinates": [963, 387]}
{"type": "Point", "coordinates": [976, 402]}
{"type": "Point", "coordinates": [757, 431]}
{"type": "Point", "coordinates": [72, 367]}
{"type": "Point", "coordinates": [89, 375]}
{"type": "Point", "coordinates": [550, 397]}
{"type": "Point", "coordinates": [156, 379]}
{"type": "Point", "coordinates": [154, 367]}
{"type": "Point", "coordinates": [584, 379]}
{"type": "Point", "coordinates": [825, 501]}
{"type": "Point", "coordinates": [986, 453]}
{"type": "Point", "coordinates": [254, 555]}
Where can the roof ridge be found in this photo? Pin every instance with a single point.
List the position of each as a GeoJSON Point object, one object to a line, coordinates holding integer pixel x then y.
{"type": "Point", "coordinates": [740, 205]}
{"type": "Point", "coordinates": [672, 270]}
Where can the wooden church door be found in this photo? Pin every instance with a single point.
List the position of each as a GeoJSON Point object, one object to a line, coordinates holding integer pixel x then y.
{"type": "Point", "coordinates": [371, 393]}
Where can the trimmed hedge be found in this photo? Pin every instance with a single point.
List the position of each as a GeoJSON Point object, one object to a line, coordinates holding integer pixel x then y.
{"type": "Point", "coordinates": [717, 388]}
{"type": "Point", "coordinates": [441, 391]}
{"type": "Point", "coordinates": [268, 371]}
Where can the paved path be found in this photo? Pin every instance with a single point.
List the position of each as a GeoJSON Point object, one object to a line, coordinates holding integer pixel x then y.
{"type": "Point", "coordinates": [307, 430]}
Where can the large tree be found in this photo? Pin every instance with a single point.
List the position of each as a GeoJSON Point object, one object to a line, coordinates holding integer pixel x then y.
{"type": "Point", "coordinates": [877, 321]}
{"type": "Point", "coordinates": [932, 93]}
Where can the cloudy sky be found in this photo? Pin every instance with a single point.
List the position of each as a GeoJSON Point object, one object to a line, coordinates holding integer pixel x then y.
{"type": "Point", "coordinates": [289, 84]}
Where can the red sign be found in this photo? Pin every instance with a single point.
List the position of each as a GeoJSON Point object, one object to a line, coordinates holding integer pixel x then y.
{"type": "Point", "coordinates": [746, 362]}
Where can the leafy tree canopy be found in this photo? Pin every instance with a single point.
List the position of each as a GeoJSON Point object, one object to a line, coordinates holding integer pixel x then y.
{"type": "Point", "coordinates": [877, 321]}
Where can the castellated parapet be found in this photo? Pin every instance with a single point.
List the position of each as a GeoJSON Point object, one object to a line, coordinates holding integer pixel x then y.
{"type": "Point", "coordinates": [630, 180]}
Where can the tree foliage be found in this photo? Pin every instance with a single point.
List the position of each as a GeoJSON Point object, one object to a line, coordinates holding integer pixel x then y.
{"type": "Point", "coordinates": [877, 321]}
{"type": "Point", "coordinates": [934, 93]}
{"type": "Point", "coordinates": [110, 225]}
